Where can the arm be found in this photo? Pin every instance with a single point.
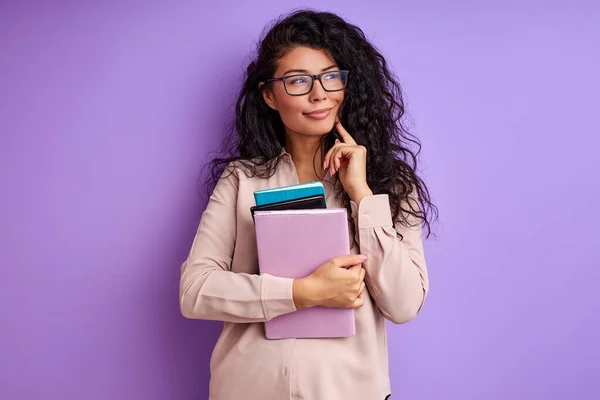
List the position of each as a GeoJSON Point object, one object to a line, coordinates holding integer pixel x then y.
{"type": "Point", "coordinates": [208, 289]}
{"type": "Point", "coordinates": [396, 273]}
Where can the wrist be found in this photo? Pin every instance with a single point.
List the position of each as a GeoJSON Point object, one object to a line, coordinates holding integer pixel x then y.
{"type": "Point", "coordinates": [359, 194]}
{"type": "Point", "coordinates": [303, 293]}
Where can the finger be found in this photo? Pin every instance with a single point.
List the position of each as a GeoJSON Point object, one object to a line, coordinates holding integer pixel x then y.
{"type": "Point", "coordinates": [355, 273]}
{"type": "Point", "coordinates": [333, 161]}
{"type": "Point", "coordinates": [355, 267]}
{"type": "Point", "coordinates": [344, 151]}
{"type": "Point", "coordinates": [360, 300]}
{"type": "Point", "coordinates": [335, 158]}
{"type": "Point", "coordinates": [346, 137]}
{"type": "Point", "coordinates": [328, 155]}
{"type": "Point", "coordinates": [363, 272]}
{"type": "Point", "coordinates": [350, 259]}
{"type": "Point", "coordinates": [326, 162]}
{"type": "Point", "coordinates": [362, 288]}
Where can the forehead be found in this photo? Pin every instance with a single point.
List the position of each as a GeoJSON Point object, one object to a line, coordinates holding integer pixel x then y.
{"type": "Point", "coordinates": [314, 61]}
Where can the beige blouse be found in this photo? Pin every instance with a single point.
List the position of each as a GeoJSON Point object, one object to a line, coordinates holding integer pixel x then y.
{"type": "Point", "coordinates": [220, 280]}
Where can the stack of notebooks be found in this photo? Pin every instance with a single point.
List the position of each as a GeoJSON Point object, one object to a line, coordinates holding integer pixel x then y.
{"type": "Point", "coordinates": [295, 197]}
{"type": "Point", "coordinates": [295, 234]}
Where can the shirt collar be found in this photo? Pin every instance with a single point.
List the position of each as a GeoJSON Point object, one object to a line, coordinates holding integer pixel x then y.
{"type": "Point", "coordinates": [284, 153]}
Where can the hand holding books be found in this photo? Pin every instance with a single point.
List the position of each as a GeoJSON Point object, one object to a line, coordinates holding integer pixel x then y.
{"type": "Point", "coordinates": [333, 284]}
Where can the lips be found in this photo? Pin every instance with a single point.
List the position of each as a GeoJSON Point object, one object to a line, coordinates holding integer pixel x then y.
{"type": "Point", "coordinates": [319, 114]}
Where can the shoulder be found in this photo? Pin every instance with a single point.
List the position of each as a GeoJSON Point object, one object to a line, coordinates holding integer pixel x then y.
{"type": "Point", "coordinates": [247, 174]}
{"type": "Point", "coordinates": [253, 170]}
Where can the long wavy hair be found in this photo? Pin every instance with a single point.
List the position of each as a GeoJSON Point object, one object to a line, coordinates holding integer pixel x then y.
{"type": "Point", "coordinates": [372, 111]}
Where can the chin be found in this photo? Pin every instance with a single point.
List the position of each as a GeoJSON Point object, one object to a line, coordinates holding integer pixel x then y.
{"type": "Point", "coordinates": [317, 128]}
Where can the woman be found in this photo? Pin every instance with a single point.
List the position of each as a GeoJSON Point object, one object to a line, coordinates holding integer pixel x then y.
{"type": "Point", "coordinates": [312, 67]}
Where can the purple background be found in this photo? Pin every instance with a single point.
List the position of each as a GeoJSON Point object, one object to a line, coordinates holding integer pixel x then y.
{"type": "Point", "coordinates": [107, 113]}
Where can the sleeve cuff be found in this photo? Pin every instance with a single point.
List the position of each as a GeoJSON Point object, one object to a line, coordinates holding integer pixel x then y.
{"type": "Point", "coordinates": [276, 296]}
{"type": "Point", "coordinates": [373, 211]}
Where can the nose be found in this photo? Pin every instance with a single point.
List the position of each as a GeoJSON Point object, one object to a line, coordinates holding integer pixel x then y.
{"type": "Point", "coordinates": [317, 93]}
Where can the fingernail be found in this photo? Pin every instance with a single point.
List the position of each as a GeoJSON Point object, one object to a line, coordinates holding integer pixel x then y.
{"type": "Point", "coordinates": [325, 165]}
{"type": "Point", "coordinates": [337, 119]}
{"type": "Point", "coordinates": [362, 257]}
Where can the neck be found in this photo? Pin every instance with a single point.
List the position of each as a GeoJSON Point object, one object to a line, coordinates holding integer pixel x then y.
{"type": "Point", "coordinates": [306, 155]}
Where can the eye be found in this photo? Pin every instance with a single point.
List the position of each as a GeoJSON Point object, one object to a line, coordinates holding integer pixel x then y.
{"type": "Point", "coordinates": [332, 76]}
{"type": "Point", "coordinates": [299, 80]}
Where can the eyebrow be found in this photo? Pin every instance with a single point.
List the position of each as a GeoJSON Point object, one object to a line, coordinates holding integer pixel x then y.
{"type": "Point", "coordinates": [303, 71]}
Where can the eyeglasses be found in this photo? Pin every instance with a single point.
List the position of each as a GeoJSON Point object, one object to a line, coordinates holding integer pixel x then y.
{"type": "Point", "coordinates": [299, 85]}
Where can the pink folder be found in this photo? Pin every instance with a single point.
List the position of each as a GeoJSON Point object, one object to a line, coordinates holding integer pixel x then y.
{"type": "Point", "coordinates": [292, 244]}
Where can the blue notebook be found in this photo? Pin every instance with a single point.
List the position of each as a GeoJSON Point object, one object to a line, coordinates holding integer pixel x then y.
{"type": "Point", "coordinates": [286, 193]}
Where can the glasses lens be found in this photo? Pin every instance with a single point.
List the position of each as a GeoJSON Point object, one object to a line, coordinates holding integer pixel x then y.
{"type": "Point", "coordinates": [299, 84]}
{"type": "Point", "coordinates": [334, 80]}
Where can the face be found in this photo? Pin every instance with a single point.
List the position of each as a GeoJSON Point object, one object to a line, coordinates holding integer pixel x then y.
{"type": "Point", "coordinates": [313, 113]}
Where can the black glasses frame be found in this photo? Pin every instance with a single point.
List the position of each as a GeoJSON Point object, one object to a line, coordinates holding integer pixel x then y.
{"type": "Point", "coordinates": [344, 73]}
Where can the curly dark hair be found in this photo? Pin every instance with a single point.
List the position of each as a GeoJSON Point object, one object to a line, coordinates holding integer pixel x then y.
{"type": "Point", "coordinates": [372, 111]}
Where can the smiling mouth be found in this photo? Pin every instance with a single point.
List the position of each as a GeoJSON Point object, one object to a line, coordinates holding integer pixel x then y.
{"type": "Point", "coordinates": [319, 114]}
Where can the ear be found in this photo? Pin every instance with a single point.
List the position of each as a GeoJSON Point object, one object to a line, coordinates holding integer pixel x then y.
{"type": "Point", "coordinates": [268, 96]}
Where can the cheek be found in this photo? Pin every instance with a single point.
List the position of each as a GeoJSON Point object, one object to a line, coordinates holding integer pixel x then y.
{"type": "Point", "coordinates": [338, 97]}
{"type": "Point", "coordinates": [290, 107]}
